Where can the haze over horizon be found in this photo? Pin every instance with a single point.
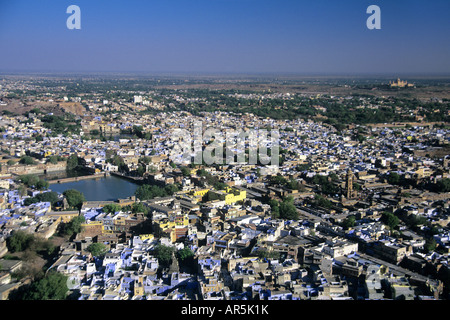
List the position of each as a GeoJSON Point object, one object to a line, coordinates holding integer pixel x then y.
{"type": "Point", "coordinates": [226, 37]}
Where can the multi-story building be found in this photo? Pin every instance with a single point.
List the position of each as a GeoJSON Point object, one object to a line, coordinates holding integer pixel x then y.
{"type": "Point", "coordinates": [173, 227]}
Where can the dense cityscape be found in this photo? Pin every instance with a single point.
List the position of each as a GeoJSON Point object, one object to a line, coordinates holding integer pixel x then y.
{"type": "Point", "coordinates": [96, 205]}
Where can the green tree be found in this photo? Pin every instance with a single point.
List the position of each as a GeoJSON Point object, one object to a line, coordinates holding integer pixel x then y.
{"type": "Point", "coordinates": [22, 190]}
{"type": "Point", "coordinates": [72, 162]}
{"type": "Point", "coordinates": [139, 207]}
{"type": "Point", "coordinates": [140, 170]}
{"type": "Point", "coordinates": [219, 185]}
{"type": "Point", "coordinates": [186, 260]}
{"type": "Point", "coordinates": [288, 210]}
{"type": "Point", "coordinates": [34, 181]}
{"type": "Point", "coordinates": [27, 160]}
{"type": "Point", "coordinates": [38, 138]}
{"type": "Point", "coordinates": [41, 184]}
{"type": "Point", "coordinates": [322, 202]}
{"type": "Point", "coordinates": [137, 130]}
{"type": "Point", "coordinates": [264, 254]}
{"type": "Point", "coordinates": [275, 208]}
{"type": "Point", "coordinates": [349, 222]}
{"type": "Point", "coordinates": [170, 189]}
{"type": "Point", "coordinates": [147, 191]}
{"type": "Point", "coordinates": [390, 219]}
{"type": "Point", "coordinates": [145, 160]}
{"type": "Point", "coordinates": [210, 196]}
{"type": "Point", "coordinates": [73, 226]}
{"type": "Point", "coordinates": [74, 198]}
{"type": "Point", "coordinates": [53, 159]}
{"type": "Point", "coordinates": [164, 254]}
{"type": "Point", "coordinates": [61, 124]}
{"type": "Point", "coordinates": [29, 180]}
{"type": "Point", "coordinates": [50, 196]}
{"type": "Point", "coordinates": [303, 167]}
{"type": "Point", "coordinates": [111, 208]}
{"type": "Point", "coordinates": [118, 161]}
{"type": "Point", "coordinates": [51, 287]}
{"type": "Point", "coordinates": [19, 241]}
{"type": "Point", "coordinates": [443, 185]}
{"type": "Point", "coordinates": [185, 254]}
{"type": "Point", "coordinates": [295, 185]}
{"type": "Point", "coordinates": [326, 183]}
{"type": "Point", "coordinates": [280, 180]}
{"type": "Point", "coordinates": [97, 249]}
{"type": "Point", "coordinates": [29, 201]}
{"type": "Point", "coordinates": [393, 178]}
{"type": "Point", "coordinates": [185, 171]}
{"type": "Point", "coordinates": [430, 245]}
{"type": "Point", "coordinates": [44, 246]}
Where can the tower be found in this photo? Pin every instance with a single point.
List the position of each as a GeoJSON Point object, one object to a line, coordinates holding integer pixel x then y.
{"type": "Point", "coordinates": [174, 267]}
{"type": "Point", "coordinates": [350, 193]}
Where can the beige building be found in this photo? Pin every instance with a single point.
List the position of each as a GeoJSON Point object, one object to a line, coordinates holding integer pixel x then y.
{"type": "Point", "coordinates": [400, 84]}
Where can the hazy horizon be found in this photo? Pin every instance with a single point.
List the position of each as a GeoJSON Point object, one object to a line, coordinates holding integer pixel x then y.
{"type": "Point", "coordinates": [212, 74]}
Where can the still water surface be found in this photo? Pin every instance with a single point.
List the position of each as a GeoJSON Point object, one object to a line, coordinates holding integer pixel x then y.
{"type": "Point", "coordinates": [108, 188]}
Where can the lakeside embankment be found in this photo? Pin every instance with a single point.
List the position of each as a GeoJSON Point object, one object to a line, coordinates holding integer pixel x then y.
{"type": "Point", "coordinates": [79, 178]}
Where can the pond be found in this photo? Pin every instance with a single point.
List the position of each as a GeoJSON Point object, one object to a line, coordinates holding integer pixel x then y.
{"type": "Point", "coordinates": [108, 188]}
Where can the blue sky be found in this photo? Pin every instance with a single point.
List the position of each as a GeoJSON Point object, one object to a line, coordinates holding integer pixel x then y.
{"type": "Point", "coordinates": [232, 36]}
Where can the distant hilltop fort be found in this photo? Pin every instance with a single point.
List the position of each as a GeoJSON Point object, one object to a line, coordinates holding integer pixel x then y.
{"type": "Point", "coordinates": [400, 84]}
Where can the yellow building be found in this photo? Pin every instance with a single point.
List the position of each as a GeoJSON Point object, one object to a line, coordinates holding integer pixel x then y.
{"type": "Point", "coordinates": [144, 237]}
{"type": "Point", "coordinates": [230, 195]}
{"type": "Point", "coordinates": [104, 231]}
{"type": "Point", "coordinates": [209, 285]}
{"type": "Point", "coordinates": [197, 195]}
{"type": "Point", "coordinates": [423, 172]}
{"type": "Point", "coordinates": [234, 195]}
{"type": "Point", "coordinates": [180, 220]}
{"type": "Point", "coordinates": [200, 193]}
{"type": "Point", "coordinates": [119, 223]}
{"type": "Point", "coordinates": [138, 288]}
{"type": "Point", "coordinates": [173, 228]}
{"type": "Point", "coordinates": [400, 84]}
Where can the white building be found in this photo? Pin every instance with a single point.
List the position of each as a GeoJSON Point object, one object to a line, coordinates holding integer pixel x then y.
{"type": "Point", "coordinates": [137, 99]}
